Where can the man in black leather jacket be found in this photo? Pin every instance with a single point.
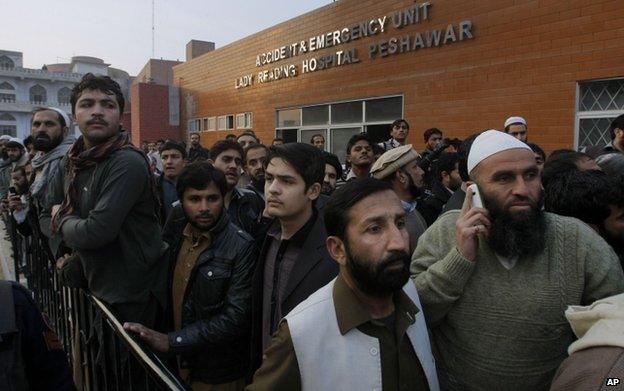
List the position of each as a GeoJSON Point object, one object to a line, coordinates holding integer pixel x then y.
{"type": "Point", "coordinates": [211, 264]}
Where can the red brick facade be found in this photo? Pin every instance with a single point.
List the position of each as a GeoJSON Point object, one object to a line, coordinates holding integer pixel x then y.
{"type": "Point", "coordinates": [525, 59]}
{"type": "Point", "coordinates": [150, 114]}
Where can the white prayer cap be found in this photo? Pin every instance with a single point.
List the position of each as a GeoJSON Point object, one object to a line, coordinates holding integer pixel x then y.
{"type": "Point", "coordinates": [490, 143]}
{"type": "Point", "coordinates": [60, 112]}
{"type": "Point", "coordinates": [15, 142]}
{"type": "Point", "coordinates": [5, 137]}
{"type": "Point", "coordinates": [514, 121]}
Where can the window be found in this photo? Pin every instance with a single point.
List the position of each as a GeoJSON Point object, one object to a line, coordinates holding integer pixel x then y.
{"type": "Point", "coordinates": [339, 121]}
{"type": "Point", "coordinates": [64, 96]}
{"type": "Point", "coordinates": [212, 123]}
{"type": "Point", "coordinates": [315, 115]}
{"type": "Point", "coordinates": [226, 122]}
{"type": "Point", "coordinates": [194, 125]}
{"type": "Point", "coordinates": [243, 121]}
{"type": "Point", "coordinates": [598, 103]}
{"type": "Point", "coordinates": [6, 62]}
{"type": "Point", "coordinates": [7, 86]}
{"type": "Point", "coordinates": [386, 109]}
{"type": "Point", "coordinates": [8, 125]}
{"type": "Point", "coordinates": [205, 124]}
{"type": "Point", "coordinates": [288, 118]}
{"type": "Point", "coordinates": [38, 94]}
{"type": "Point", "coordinates": [7, 93]}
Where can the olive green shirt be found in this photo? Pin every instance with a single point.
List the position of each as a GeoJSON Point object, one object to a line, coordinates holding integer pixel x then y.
{"type": "Point", "coordinates": [400, 367]}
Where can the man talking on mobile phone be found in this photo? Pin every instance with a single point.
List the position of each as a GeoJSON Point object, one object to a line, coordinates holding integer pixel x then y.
{"type": "Point", "coordinates": [495, 281]}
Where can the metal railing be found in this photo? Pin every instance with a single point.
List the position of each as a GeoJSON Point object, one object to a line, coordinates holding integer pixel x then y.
{"type": "Point", "coordinates": [103, 356]}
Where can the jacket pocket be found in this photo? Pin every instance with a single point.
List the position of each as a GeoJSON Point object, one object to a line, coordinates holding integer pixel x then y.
{"type": "Point", "coordinates": [213, 281]}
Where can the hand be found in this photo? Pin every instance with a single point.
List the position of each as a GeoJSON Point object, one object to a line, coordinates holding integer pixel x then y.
{"type": "Point", "coordinates": [55, 210]}
{"type": "Point", "coordinates": [157, 341]}
{"type": "Point", "coordinates": [471, 222]}
{"type": "Point", "coordinates": [63, 261]}
{"type": "Point", "coordinates": [4, 205]}
{"type": "Point", "coordinates": [15, 203]}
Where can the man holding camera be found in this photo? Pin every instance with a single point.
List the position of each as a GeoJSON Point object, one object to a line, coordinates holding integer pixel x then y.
{"type": "Point", "coordinates": [399, 132]}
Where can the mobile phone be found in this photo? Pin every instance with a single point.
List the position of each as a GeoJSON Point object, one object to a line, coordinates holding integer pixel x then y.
{"type": "Point", "coordinates": [12, 190]}
{"type": "Point", "coordinates": [476, 196]}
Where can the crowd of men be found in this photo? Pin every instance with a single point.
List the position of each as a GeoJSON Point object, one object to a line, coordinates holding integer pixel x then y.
{"type": "Point", "coordinates": [286, 267]}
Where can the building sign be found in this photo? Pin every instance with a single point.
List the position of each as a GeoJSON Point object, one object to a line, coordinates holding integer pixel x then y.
{"type": "Point", "coordinates": [276, 59]}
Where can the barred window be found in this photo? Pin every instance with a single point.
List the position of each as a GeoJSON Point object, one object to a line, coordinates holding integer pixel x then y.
{"type": "Point", "coordinates": [598, 103]}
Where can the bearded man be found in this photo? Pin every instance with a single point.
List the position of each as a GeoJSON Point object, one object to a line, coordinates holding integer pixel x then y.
{"type": "Point", "coordinates": [366, 322]}
{"type": "Point", "coordinates": [212, 262]}
{"type": "Point", "coordinates": [51, 139]}
{"type": "Point", "coordinates": [495, 281]}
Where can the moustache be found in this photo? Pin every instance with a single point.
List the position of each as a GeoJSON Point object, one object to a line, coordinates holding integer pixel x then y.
{"type": "Point", "coordinates": [97, 122]}
{"type": "Point", "coordinates": [398, 256]}
{"type": "Point", "coordinates": [43, 136]}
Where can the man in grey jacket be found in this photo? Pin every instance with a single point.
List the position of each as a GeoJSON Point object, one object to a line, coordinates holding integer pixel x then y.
{"type": "Point", "coordinates": [104, 208]}
{"type": "Point", "coordinates": [50, 130]}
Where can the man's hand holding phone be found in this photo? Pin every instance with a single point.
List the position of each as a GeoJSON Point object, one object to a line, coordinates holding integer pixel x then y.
{"type": "Point", "coordinates": [473, 220]}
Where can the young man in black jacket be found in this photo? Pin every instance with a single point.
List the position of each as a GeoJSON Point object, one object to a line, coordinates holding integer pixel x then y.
{"type": "Point", "coordinates": [211, 264]}
{"type": "Point", "coordinates": [103, 205]}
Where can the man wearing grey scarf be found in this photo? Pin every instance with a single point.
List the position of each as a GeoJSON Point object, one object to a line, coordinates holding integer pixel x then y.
{"type": "Point", "coordinates": [52, 140]}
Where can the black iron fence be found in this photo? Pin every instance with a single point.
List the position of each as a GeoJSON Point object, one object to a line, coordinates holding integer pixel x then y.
{"type": "Point", "coordinates": [103, 356]}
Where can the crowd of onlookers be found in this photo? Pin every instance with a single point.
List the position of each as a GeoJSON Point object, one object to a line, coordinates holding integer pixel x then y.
{"type": "Point", "coordinates": [284, 266]}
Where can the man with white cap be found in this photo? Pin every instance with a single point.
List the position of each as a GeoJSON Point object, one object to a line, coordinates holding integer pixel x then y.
{"type": "Point", "coordinates": [52, 138]}
{"type": "Point", "coordinates": [495, 281]}
{"type": "Point", "coordinates": [3, 157]}
{"type": "Point", "coordinates": [18, 157]}
{"type": "Point", "coordinates": [517, 127]}
{"type": "Point", "coordinates": [399, 167]}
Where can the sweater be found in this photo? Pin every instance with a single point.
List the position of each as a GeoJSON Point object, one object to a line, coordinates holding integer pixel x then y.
{"type": "Point", "coordinates": [598, 354]}
{"type": "Point", "coordinates": [501, 329]}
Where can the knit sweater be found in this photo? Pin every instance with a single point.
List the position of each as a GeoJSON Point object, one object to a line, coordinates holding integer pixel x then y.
{"type": "Point", "coordinates": [499, 329]}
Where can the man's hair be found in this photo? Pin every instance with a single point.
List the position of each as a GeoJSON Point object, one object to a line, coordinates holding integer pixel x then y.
{"type": "Point", "coordinates": [316, 135]}
{"type": "Point", "coordinates": [20, 169]}
{"type": "Point", "coordinates": [230, 136]}
{"type": "Point", "coordinates": [252, 147]}
{"type": "Point", "coordinates": [173, 145]}
{"type": "Point", "coordinates": [199, 175]}
{"type": "Point", "coordinates": [59, 117]}
{"type": "Point", "coordinates": [333, 161]}
{"type": "Point", "coordinates": [98, 83]}
{"type": "Point", "coordinates": [462, 156]}
{"type": "Point", "coordinates": [193, 134]}
{"type": "Point", "coordinates": [561, 162]}
{"type": "Point", "coordinates": [612, 164]}
{"type": "Point", "coordinates": [430, 132]}
{"type": "Point", "coordinates": [248, 133]}
{"type": "Point", "coordinates": [445, 163]}
{"type": "Point", "coordinates": [346, 197]}
{"type": "Point", "coordinates": [398, 122]}
{"type": "Point", "coordinates": [358, 137]}
{"type": "Point", "coordinates": [304, 158]}
{"type": "Point", "coordinates": [617, 123]}
{"type": "Point", "coordinates": [580, 194]}
{"type": "Point", "coordinates": [455, 142]}
{"type": "Point", "coordinates": [224, 145]}
{"type": "Point", "coordinates": [536, 149]}
{"type": "Point", "coordinates": [28, 140]}
{"type": "Point", "coordinates": [278, 139]}
{"type": "Point", "coordinates": [514, 123]}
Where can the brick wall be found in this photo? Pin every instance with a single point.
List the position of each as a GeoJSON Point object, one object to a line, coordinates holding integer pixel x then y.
{"type": "Point", "coordinates": [525, 59]}
{"type": "Point", "coordinates": [150, 114]}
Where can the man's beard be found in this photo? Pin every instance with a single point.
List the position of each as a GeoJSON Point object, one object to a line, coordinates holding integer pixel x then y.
{"type": "Point", "coordinates": [518, 234]}
{"type": "Point", "coordinates": [376, 279]}
{"type": "Point", "coordinates": [44, 143]}
{"type": "Point", "coordinates": [327, 189]}
{"type": "Point", "coordinates": [414, 190]}
{"type": "Point", "coordinates": [202, 227]}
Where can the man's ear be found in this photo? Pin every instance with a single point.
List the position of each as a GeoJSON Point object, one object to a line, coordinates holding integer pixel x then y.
{"type": "Point", "coordinates": [336, 249]}
{"type": "Point", "coordinates": [314, 191]}
{"type": "Point", "coordinates": [210, 161]}
{"type": "Point", "coordinates": [400, 176]}
{"type": "Point", "coordinates": [65, 131]}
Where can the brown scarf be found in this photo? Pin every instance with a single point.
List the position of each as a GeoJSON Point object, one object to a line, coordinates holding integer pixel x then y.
{"type": "Point", "coordinates": [81, 159]}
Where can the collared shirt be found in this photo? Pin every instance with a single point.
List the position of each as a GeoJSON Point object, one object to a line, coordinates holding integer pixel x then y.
{"type": "Point", "coordinates": [170, 195]}
{"type": "Point", "coordinates": [400, 367]}
{"type": "Point", "coordinates": [192, 247]}
{"type": "Point", "coordinates": [280, 260]}
{"type": "Point", "coordinates": [390, 144]}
